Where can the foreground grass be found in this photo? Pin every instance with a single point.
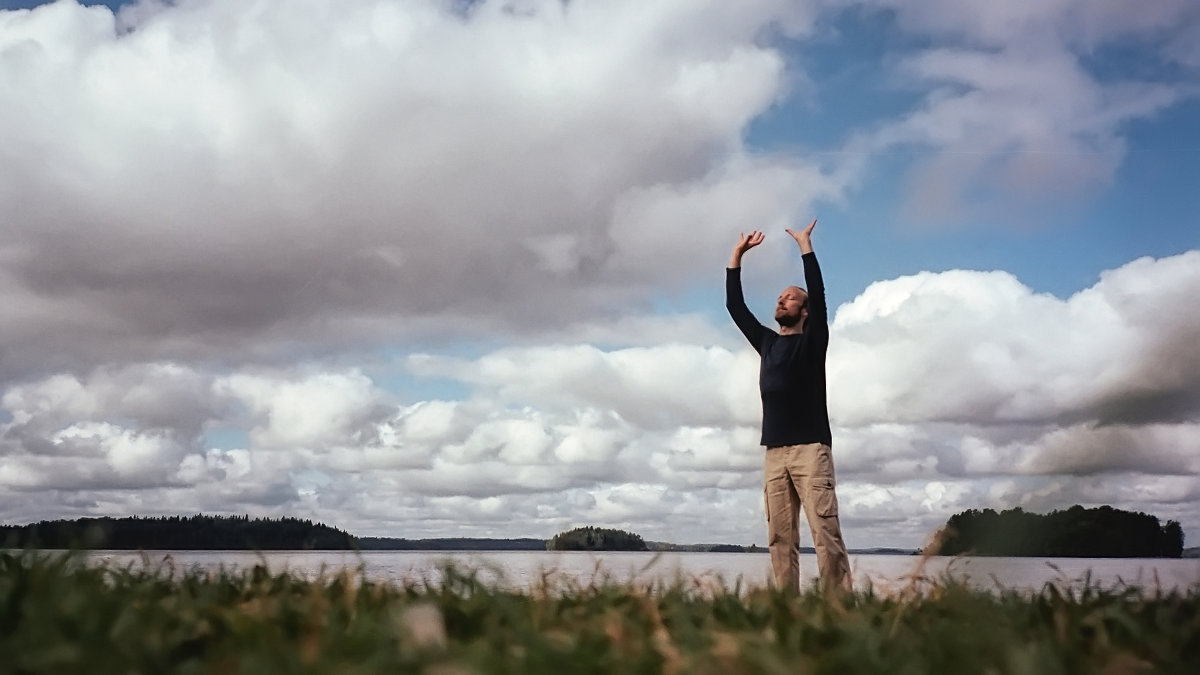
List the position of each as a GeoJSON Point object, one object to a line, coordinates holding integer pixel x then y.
{"type": "Point", "coordinates": [59, 616]}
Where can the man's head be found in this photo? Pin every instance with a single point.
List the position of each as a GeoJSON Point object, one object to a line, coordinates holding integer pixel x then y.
{"type": "Point", "coordinates": [792, 307]}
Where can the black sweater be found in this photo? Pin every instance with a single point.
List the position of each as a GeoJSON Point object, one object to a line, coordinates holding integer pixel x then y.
{"type": "Point", "coordinates": [792, 376]}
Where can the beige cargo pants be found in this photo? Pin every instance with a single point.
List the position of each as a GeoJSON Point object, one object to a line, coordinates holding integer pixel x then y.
{"type": "Point", "coordinates": [796, 475]}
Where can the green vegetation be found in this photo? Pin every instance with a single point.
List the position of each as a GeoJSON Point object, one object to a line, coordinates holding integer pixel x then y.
{"type": "Point", "coordinates": [58, 615]}
{"type": "Point", "coordinates": [1102, 532]}
{"type": "Point", "coordinates": [178, 533]}
{"type": "Point", "coordinates": [595, 539]}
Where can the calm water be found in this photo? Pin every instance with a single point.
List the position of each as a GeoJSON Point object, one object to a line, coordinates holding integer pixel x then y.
{"type": "Point", "coordinates": [521, 569]}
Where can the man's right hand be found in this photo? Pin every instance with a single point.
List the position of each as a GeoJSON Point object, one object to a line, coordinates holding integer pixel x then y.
{"type": "Point", "coordinates": [745, 243]}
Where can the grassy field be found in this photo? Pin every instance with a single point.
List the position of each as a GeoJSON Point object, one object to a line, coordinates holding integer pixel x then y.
{"type": "Point", "coordinates": [59, 616]}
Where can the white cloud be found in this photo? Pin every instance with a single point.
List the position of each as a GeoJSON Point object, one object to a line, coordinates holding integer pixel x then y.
{"type": "Point", "coordinates": [1015, 110]}
{"type": "Point", "coordinates": [1081, 24]}
{"type": "Point", "coordinates": [247, 181]}
{"type": "Point", "coordinates": [655, 387]}
{"type": "Point", "coordinates": [1015, 124]}
{"type": "Point", "coordinates": [949, 391]}
{"type": "Point", "coordinates": [312, 413]}
{"type": "Point", "coordinates": [980, 347]}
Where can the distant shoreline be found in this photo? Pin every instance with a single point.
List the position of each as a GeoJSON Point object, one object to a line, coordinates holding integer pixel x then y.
{"type": "Point", "coordinates": [521, 545]}
{"type": "Point", "coordinates": [222, 533]}
{"type": "Point", "coordinates": [481, 545]}
{"type": "Point", "coordinates": [241, 533]}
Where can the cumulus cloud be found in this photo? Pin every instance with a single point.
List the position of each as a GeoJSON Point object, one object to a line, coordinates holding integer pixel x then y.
{"type": "Point", "coordinates": [661, 386]}
{"type": "Point", "coordinates": [317, 411]}
{"type": "Point", "coordinates": [948, 391]}
{"type": "Point", "coordinates": [953, 382]}
{"type": "Point", "coordinates": [975, 347]}
{"type": "Point", "coordinates": [238, 181]}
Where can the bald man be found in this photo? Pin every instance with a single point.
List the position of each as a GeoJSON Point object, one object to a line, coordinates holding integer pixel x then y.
{"type": "Point", "coordinates": [798, 470]}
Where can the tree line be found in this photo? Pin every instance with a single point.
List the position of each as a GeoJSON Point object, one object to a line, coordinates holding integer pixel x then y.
{"type": "Point", "coordinates": [596, 539]}
{"type": "Point", "coordinates": [450, 544]}
{"type": "Point", "coordinates": [1077, 532]}
{"type": "Point", "coordinates": [201, 532]}
{"type": "Point", "coordinates": [175, 533]}
{"type": "Point", "coordinates": [664, 546]}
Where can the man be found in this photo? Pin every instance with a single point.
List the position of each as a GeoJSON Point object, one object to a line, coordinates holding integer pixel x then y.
{"type": "Point", "coordinates": [795, 427]}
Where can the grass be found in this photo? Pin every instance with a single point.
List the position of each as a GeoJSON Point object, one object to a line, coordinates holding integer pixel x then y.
{"type": "Point", "coordinates": [59, 615]}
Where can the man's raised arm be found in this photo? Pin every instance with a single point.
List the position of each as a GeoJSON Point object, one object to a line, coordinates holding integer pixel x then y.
{"type": "Point", "coordinates": [734, 301]}
{"type": "Point", "coordinates": [817, 312]}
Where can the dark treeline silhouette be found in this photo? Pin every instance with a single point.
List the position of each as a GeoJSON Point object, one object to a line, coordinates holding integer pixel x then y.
{"type": "Point", "coordinates": [241, 533]}
{"type": "Point", "coordinates": [450, 544]}
{"type": "Point", "coordinates": [175, 533]}
{"type": "Point", "coordinates": [595, 539]}
{"type": "Point", "coordinates": [1077, 532]}
{"type": "Point", "coordinates": [701, 548]}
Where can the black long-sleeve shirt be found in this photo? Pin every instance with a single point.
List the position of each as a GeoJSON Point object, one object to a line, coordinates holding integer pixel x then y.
{"type": "Point", "coordinates": [792, 375]}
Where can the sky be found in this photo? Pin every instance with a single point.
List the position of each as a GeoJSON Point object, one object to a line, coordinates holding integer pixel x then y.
{"type": "Point", "coordinates": [439, 268]}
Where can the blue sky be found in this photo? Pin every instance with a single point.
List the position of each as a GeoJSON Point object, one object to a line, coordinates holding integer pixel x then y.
{"type": "Point", "coordinates": [465, 266]}
{"type": "Point", "coordinates": [1058, 246]}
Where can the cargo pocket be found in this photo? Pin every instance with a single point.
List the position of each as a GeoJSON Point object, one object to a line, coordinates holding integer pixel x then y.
{"type": "Point", "coordinates": [767, 505]}
{"type": "Point", "coordinates": [773, 537]}
{"type": "Point", "coordinates": [824, 498]}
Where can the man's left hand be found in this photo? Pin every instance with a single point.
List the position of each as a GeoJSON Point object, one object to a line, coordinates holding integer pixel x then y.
{"type": "Point", "coordinates": [804, 237]}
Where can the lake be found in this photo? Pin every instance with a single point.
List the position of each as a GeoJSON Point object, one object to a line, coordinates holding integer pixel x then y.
{"type": "Point", "coordinates": [522, 569]}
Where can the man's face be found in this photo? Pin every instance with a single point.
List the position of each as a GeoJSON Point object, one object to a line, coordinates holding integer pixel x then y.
{"type": "Point", "coordinates": [792, 306]}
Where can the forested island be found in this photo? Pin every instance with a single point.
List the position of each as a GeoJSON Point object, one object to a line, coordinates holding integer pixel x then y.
{"type": "Point", "coordinates": [596, 539]}
{"type": "Point", "coordinates": [1077, 532]}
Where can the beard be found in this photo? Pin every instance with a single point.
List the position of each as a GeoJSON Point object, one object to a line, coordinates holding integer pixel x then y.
{"type": "Point", "coordinates": [787, 320]}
